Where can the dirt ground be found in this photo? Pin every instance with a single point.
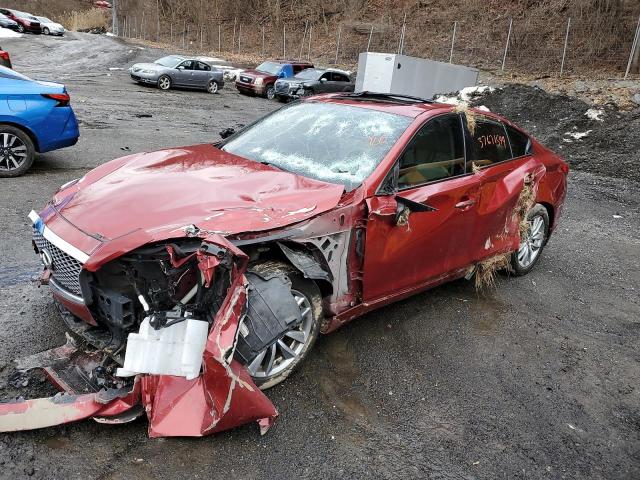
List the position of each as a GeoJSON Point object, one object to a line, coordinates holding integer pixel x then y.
{"type": "Point", "coordinates": [538, 378]}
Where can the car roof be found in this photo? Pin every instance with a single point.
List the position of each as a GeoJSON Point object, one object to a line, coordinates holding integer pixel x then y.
{"type": "Point", "coordinates": [397, 104]}
{"type": "Point", "coordinates": [292, 62]}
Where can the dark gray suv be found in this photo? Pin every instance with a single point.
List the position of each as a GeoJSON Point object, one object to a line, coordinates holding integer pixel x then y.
{"type": "Point", "coordinates": [312, 81]}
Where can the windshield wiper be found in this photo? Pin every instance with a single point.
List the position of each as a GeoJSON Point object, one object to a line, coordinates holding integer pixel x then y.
{"type": "Point", "coordinates": [385, 97]}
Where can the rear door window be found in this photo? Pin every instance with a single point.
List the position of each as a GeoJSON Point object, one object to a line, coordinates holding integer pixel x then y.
{"type": "Point", "coordinates": [339, 77]}
{"type": "Point", "coordinates": [203, 67]}
{"type": "Point", "coordinates": [520, 143]}
{"type": "Point", "coordinates": [490, 143]}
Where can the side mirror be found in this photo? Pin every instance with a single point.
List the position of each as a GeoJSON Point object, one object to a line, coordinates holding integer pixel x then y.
{"type": "Point", "coordinates": [323, 80]}
{"type": "Point", "coordinates": [180, 67]}
{"type": "Point", "coordinates": [396, 208]}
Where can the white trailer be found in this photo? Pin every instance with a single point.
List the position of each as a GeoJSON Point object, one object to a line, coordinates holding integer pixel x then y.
{"type": "Point", "coordinates": [418, 77]}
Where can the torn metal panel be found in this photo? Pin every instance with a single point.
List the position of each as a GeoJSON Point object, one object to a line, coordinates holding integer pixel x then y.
{"type": "Point", "coordinates": [306, 263]}
{"type": "Point", "coordinates": [221, 397]}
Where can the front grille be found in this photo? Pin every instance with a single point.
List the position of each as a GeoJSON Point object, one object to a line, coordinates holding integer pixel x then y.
{"type": "Point", "coordinates": [282, 87]}
{"type": "Point", "coordinates": [245, 79]}
{"type": "Point", "coordinates": [65, 269]}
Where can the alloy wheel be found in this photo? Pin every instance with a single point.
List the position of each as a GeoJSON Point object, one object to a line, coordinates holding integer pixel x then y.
{"type": "Point", "coordinates": [45, 31]}
{"type": "Point", "coordinates": [532, 243]}
{"type": "Point", "coordinates": [164, 83]}
{"type": "Point", "coordinates": [271, 93]}
{"type": "Point", "coordinates": [13, 152]}
{"type": "Point", "coordinates": [279, 356]}
{"type": "Point", "coordinates": [212, 87]}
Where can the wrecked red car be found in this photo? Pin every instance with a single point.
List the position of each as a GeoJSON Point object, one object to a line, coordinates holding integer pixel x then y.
{"type": "Point", "coordinates": [193, 278]}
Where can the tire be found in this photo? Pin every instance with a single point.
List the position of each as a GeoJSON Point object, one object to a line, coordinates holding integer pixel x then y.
{"type": "Point", "coordinates": [308, 291]}
{"type": "Point", "coordinates": [212, 86]}
{"type": "Point", "coordinates": [45, 31]}
{"type": "Point", "coordinates": [307, 92]}
{"type": "Point", "coordinates": [525, 258]}
{"type": "Point", "coordinates": [21, 28]}
{"type": "Point", "coordinates": [270, 92]}
{"type": "Point", "coordinates": [164, 82]}
{"type": "Point", "coordinates": [17, 151]}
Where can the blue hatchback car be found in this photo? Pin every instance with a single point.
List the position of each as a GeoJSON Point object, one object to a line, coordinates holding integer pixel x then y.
{"type": "Point", "coordinates": [34, 117]}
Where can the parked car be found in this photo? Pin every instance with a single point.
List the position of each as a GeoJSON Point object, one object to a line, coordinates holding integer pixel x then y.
{"type": "Point", "coordinates": [312, 81]}
{"type": "Point", "coordinates": [34, 117]}
{"type": "Point", "coordinates": [49, 27]}
{"type": "Point", "coordinates": [26, 22]}
{"type": "Point", "coordinates": [230, 73]}
{"type": "Point", "coordinates": [6, 22]}
{"type": "Point", "coordinates": [321, 211]}
{"type": "Point", "coordinates": [261, 80]}
{"type": "Point", "coordinates": [5, 58]}
{"type": "Point", "coordinates": [179, 71]}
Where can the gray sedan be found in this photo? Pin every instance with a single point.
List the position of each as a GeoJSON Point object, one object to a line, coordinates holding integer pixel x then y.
{"type": "Point", "coordinates": [178, 71]}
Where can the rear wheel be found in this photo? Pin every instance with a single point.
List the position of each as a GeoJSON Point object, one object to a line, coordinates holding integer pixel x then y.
{"type": "Point", "coordinates": [275, 363]}
{"type": "Point", "coordinates": [212, 86]}
{"type": "Point", "coordinates": [532, 242]}
{"type": "Point", "coordinates": [45, 30]}
{"type": "Point", "coordinates": [17, 151]}
{"type": "Point", "coordinates": [164, 82]}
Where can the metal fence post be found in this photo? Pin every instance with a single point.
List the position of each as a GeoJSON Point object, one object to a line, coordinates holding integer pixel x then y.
{"type": "Point", "coordinates": [219, 38]}
{"type": "Point", "coordinates": [304, 36]}
{"type": "Point", "coordinates": [171, 33]}
{"type": "Point", "coordinates": [370, 35]}
{"type": "Point", "coordinates": [239, 35]}
{"type": "Point", "coordinates": [201, 36]}
{"type": "Point", "coordinates": [309, 49]}
{"type": "Point", "coordinates": [114, 17]}
{"type": "Point", "coordinates": [284, 41]}
{"type": "Point", "coordinates": [634, 45]}
{"type": "Point", "coordinates": [263, 40]}
{"type": "Point", "coordinates": [338, 43]}
{"type": "Point", "coordinates": [453, 40]}
{"type": "Point", "coordinates": [564, 50]}
{"type": "Point", "coordinates": [506, 45]}
{"type": "Point", "coordinates": [184, 33]}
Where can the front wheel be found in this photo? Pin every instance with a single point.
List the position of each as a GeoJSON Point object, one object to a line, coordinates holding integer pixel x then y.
{"type": "Point", "coordinates": [276, 362]}
{"type": "Point", "coordinates": [21, 28]}
{"type": "Point", "coordinates": [45, 30]}
{"type": "Point", "coordinates": [270, 92]}
{"type": "Point", "coordinates": [212, 86]}
{"type": "Point", "coordinates": [164, 82]}
{"type": "Point", "coordinates": [532, 242]}
{"type": "Point", "coordinates": [17, 151]}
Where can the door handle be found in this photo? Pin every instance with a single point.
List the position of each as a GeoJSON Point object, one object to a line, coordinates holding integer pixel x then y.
{"type": "Point", "coordinates": [465, 204]}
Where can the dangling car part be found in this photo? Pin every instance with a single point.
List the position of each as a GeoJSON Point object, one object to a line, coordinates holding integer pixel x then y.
{"type": "Point", "coordinates": [197, 276]}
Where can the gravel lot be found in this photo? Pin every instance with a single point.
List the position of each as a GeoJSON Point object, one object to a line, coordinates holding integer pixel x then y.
{"type": "Point", "coordinates": [536, 379]}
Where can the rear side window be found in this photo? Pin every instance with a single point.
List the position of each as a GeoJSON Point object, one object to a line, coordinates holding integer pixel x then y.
{"type": "Point", "coordinates": [520, 143]}
{"type": "Point", "coordinates": [490, 143]}
{"type": "Point", "coordinates": [436, 152]}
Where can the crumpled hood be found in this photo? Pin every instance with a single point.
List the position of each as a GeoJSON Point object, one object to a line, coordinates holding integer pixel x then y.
{"type": "Point", "coordinates": [165, 191]}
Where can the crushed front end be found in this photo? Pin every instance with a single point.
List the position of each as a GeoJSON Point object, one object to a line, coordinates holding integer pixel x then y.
{"type": "Point", "coordinates": [153, 331]}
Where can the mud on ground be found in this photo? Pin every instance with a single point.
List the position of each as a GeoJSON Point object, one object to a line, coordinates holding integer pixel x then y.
{"type": "Point", "coordinates": [537, 378]}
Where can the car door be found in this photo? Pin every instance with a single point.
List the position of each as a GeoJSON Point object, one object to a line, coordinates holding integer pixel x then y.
{"type": "Point", "coordinates": [200, 74]}
{"type": "Point", "coordinates": [420, 234]}
{"type": "Point", "coordinates": [503, 176]}
{"type": "Point", "coordinates": [324, 83]}
{"type": "Point", "coordinates": [341, 83]}
{"type": "Point", "coordinates": [182, 73]}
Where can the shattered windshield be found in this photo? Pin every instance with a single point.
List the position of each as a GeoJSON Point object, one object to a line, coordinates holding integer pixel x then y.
{"type": "Point", "coordinates": [269, 67]}
{"type": "Point", "coordinates": [169, 61]}
{"type": "Point", "coordinates": [334, 143]}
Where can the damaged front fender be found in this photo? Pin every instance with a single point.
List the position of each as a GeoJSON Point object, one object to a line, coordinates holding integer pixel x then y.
{"type": "Point", "coordinates": [223, 396]}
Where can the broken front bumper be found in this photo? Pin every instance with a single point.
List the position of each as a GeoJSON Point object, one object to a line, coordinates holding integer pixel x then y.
{"type": "Point", "coordinates": [221, 397]}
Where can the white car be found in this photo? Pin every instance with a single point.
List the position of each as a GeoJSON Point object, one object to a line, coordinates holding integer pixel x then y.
{"type": "Point", "coordinates": [49, 27]}
{"type": "Point", "coordinates": [230, 72]}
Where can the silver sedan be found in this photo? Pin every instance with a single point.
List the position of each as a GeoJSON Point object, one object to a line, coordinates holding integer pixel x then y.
{"type": "Point", "coordinates": [178, 71]}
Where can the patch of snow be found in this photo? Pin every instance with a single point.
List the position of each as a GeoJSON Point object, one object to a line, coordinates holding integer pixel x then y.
{"type": "Point", "coordinates": [113, 69]}
{"type": "Point", "coordinates": [576, 135]}
{"type": "Point", "coordinates": [109, 34]}
{"type": "Point", "coordinates": [483, 108]}
{"type": "Point", "coordinates": [465, 95]}
{"type": "Point", "coordinates": [595, 114]}
{"type": "Point", "coordinates": [6, 33]}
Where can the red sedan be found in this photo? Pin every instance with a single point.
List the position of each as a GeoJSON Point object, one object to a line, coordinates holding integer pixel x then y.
{"type": "Point", "coordinates": [204, 271]}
